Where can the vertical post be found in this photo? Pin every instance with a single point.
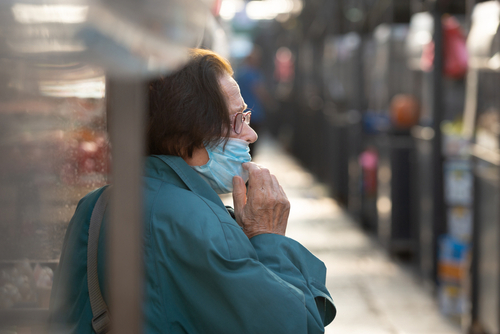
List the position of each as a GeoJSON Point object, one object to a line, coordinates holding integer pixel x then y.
{"type": "Point", "coordinates": [469, 7]}
{"type": "Point", "coordinates": [471, 90]}
{"type": "Point", "coordinates": [439, 216]}
{"type": "Point", "coordinates": [126, 102]}
{"type": "Point", "coordinates": [474, 293]}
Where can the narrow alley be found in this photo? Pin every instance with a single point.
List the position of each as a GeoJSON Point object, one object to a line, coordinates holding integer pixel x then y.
{"type": "Point", "coordinates": [373, 293]}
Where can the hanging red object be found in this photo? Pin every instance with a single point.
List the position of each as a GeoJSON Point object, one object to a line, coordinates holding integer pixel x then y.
{"type": "Point", "coordinates": [454, 50]}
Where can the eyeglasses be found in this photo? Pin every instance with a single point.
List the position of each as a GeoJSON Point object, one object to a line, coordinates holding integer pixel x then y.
{"type": "Point", "coordinates": [239, 118]}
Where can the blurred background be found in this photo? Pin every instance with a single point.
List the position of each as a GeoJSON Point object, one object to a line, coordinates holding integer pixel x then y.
{"type": "Point", "coordinates": [391, 104]}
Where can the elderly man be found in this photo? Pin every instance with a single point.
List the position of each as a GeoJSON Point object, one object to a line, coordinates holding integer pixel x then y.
{"type": "Point", "coordinates": [208, 269]}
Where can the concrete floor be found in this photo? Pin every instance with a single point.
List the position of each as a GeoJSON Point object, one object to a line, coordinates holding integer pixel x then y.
{"type": "Point", "coordinates": [372, 293]}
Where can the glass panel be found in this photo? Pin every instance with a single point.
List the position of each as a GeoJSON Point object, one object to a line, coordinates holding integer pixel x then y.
{"type": "Point", "coordinates": [54, 150]}
{"type": "Point", "coordinates": [53, 143]}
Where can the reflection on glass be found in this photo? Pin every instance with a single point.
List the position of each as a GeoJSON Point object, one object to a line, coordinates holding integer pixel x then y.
{"type": "Point", "coordinates": [46, 46]}
{"type": "Point", "coordinates": [127, 38]}
{"type": "Point", "coordinates": [28, 14]}
{"type": "Point", "coordinates": [93, 88]}
{"type": "Point", "coordinates": [53, 142]}
{"type": "Point", "coordinates": [54, 150]}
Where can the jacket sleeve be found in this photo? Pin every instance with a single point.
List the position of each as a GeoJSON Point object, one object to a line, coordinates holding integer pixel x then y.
{"type": "Point", "coordinates": [213, 279]}
{"type": "Point", "coordinates": [298, 267]}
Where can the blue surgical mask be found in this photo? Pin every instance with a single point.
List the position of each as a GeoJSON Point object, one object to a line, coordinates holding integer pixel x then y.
{"type": "Point", "coordinates": [224, 163]}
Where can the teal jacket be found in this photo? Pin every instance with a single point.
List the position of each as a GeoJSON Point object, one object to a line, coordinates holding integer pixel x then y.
{"type": "Point", "coordinates": [202, 273]}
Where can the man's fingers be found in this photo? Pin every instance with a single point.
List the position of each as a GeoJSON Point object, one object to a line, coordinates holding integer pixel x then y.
{"type": "Point", "coordinates": [264, 208]}
{"type": "Point", "coordinates": [275, 183]}
{"type": "Point", "coordinates": [250, 166]}
{"type": "Point", "coordinates": [239, 193]}
{"type": "Point", "coordinates": [255, 179]}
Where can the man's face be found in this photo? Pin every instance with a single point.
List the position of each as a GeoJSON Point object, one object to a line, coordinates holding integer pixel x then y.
{"type": "Point", "coordinates": [236, 104]}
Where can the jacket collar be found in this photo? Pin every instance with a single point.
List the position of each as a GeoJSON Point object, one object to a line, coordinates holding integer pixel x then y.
{"type": "Point", "coordinates": [186, 177]}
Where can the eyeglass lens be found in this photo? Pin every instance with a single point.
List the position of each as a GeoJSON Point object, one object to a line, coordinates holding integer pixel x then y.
{"type": "Point", "coordinates": [238, 121]}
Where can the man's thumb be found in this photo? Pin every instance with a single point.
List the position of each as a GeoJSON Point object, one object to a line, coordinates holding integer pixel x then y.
{"type": "Point", "coordinates": [239, 193]}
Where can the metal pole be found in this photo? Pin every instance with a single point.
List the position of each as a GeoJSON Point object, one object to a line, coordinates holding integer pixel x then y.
{"type": "Point", "coordinates": [469, 7]}
{"type": "Point", "coordinates": [439, 216]}
{"type": "Point", "coordinates": [474, 293]}
{"type": "Point", "coordinates": [126, 101]}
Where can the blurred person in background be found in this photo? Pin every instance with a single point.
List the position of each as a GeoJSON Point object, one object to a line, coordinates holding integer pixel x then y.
{"type": "Point", "coordinates": [253, 90]}
{"type": "Point", "coordinates": [208, 268]}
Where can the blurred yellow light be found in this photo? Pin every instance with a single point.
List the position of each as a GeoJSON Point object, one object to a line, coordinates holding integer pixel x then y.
{"type": "Point", "coordinates": [230, 7]}
{"type": "Point", "coordinates": [423, 37]}
{"type": "Point", "coordinates": [384, 205]}
{"type": "Point", "coordinates": [268, 9]}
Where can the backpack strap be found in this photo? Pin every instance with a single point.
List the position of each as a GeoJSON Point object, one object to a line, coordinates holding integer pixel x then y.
{"type": "Point", "coordinates": [101, 319]}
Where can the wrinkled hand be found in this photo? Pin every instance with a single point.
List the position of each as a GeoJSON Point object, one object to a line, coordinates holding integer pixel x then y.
{"type": "Point", "coordinates": [264, 208]}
